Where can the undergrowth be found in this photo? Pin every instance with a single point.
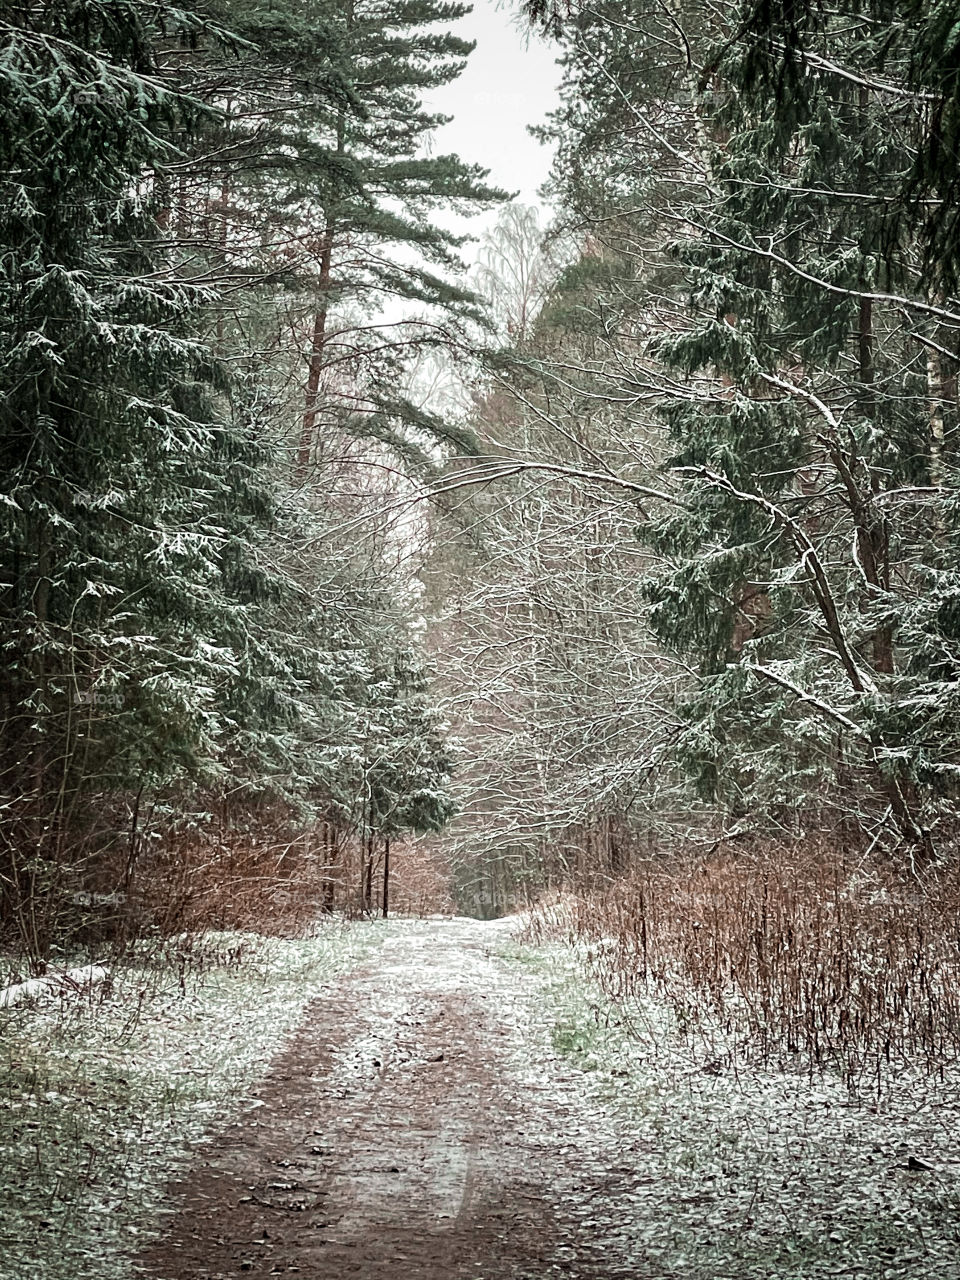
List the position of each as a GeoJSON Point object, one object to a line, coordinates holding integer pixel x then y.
{"type": "Point", "coordinates": [785, 958]}
{"type": "Point", "coordinates": [740, 1171]}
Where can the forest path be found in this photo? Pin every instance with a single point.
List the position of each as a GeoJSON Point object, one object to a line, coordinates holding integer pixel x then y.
{"type": "Point", "coordinates": [416, 1126]}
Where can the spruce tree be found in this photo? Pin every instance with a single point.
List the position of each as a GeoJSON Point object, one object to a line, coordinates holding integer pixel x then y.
{"type": "Point", "coordinates": [115, 469]}
{"type": "Point", "coordinates": [160, 646]}
{"type": "Point", "coordinates": [809, 400]}
{"type": "Point", "coordinates": [806, 577]}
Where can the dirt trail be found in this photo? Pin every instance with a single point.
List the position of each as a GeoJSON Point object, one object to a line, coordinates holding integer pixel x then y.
{"type": "Point", "coordinates": [413, 1128]}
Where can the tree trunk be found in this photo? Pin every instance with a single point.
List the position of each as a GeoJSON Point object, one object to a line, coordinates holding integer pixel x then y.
{"type": "Point", "coordinates": [366, 875]}
{"type": "Point", "coordinates": [386, 877]}
{"type": "Point", "coordinates": [330, 851]}
{"type": "Point", "coordinates": [223, 241]}
{"type": "Point", "coordinates": [935, 397]}
{"type": "Point", "coordinates": [318, 342]}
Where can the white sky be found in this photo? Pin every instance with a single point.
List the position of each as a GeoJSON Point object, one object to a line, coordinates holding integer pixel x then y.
{"type": "Point", "coordinates": [510, 82]}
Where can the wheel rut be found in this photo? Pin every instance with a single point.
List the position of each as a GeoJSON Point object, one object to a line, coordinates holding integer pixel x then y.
{"type": "Point", "coordinates": [401, 1133]}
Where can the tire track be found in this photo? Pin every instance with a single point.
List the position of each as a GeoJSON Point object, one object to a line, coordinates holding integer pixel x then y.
{"type": "Point", "coordinates": [396, 1137]}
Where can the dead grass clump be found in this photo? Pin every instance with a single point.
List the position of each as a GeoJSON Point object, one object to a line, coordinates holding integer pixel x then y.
{"type": "Point", "coordinates": [784, 956]}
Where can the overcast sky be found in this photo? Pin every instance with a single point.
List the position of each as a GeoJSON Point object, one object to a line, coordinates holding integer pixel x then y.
{"type": "Point", "coordinates": [510, 83]}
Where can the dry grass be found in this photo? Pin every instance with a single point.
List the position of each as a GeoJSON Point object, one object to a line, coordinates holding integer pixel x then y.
{"type": "Point", "coordinates": [420, 880]}
{"type": "Point", "coordinates": [784, 957]}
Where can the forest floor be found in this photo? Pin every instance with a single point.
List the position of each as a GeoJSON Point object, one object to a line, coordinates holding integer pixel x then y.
{"type": "Point", "coordinates": [411, 1129]}
{"type": "Point", "coordinates": [432, 1099]}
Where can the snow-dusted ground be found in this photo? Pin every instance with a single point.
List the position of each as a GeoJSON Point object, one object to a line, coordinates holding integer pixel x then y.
{"type": "Point", "coordinates": [102, 1100]}
{"type": "Point", "coordinates": [419, 1125]}
{"type": "Point", "coordinates": [758, 1174]}
{"type": "Point", "coordinates": [544, 1139]}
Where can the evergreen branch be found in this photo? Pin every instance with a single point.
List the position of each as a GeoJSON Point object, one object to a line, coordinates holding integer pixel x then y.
{"type": "Point", "coordinates": [868, 295]}
{"type": "Point", "coordinates": [803, 695]}
{"type": "Point", "coordinates": [809, 557]}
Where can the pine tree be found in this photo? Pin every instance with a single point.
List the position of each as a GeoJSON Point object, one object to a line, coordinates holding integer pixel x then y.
{"type": "Point", "coordinates": [380, 242]}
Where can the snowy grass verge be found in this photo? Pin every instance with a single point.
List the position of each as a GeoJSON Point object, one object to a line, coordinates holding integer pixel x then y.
{"type": "Point", "coordinates": [757, 1172]}
{"type": "Point", "coordinates": [101, 1101]}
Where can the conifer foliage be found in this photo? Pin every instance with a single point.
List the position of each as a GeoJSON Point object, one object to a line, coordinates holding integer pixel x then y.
{"type": "Point", "coordinates": [165, 639]}
{"type": "Point", "coordinates": [116, 470]}
{"type": "Point", "coordinates": [775, 188]}
{"type": "Point", "coordinates": [381, 244]}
